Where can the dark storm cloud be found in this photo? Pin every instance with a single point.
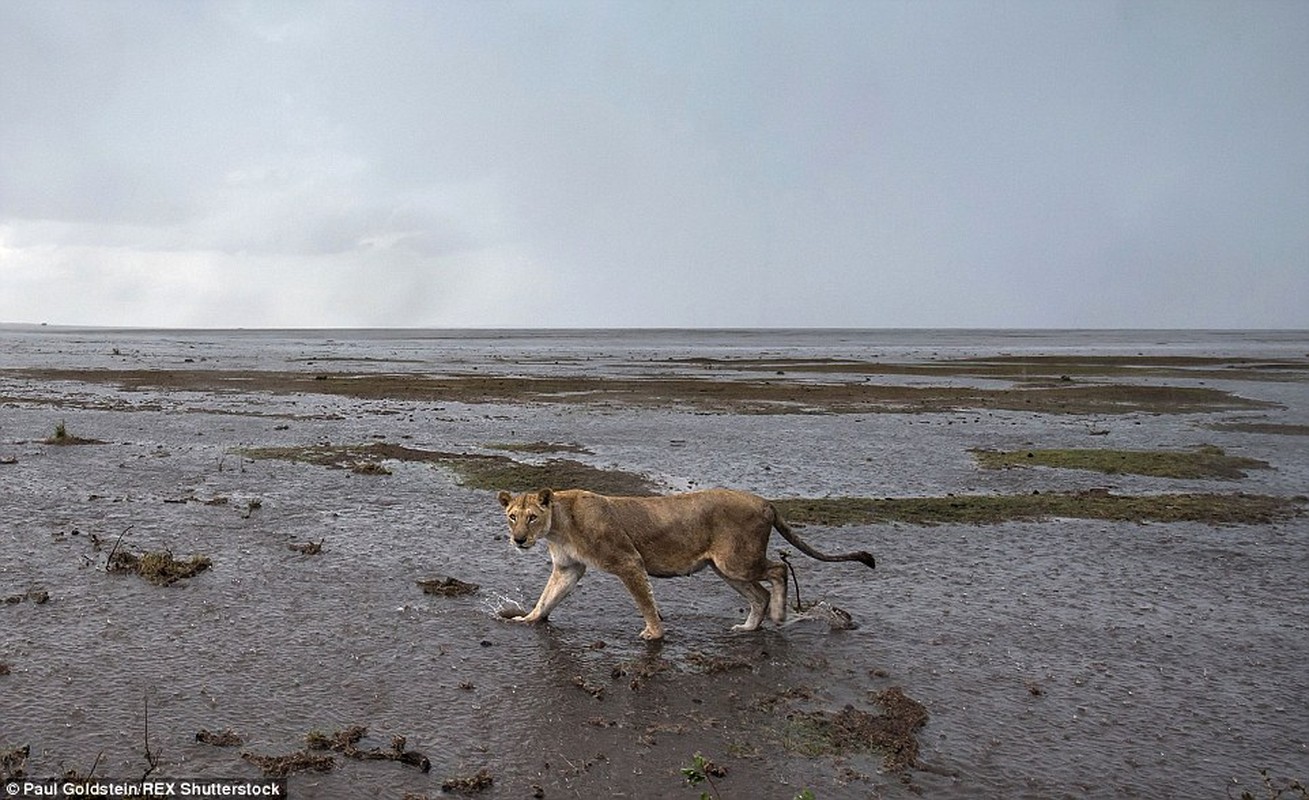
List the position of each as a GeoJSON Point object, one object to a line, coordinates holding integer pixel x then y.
{"type": "Point", "coordinates": [997, 164]}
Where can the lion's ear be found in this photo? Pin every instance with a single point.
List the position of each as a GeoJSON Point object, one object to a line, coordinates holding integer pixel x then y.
{"type": "Point", "coordinates": [544, 496]}
{"type": "Point", "coordinates": [504, 498]}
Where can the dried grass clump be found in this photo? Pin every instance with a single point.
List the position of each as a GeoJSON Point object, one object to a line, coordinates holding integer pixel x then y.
{"type": "Point", "coordinates": [159, 568]}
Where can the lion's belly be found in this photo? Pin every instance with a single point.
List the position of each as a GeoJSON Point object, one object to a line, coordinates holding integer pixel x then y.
{"type": "Point", "coordinates": [666, 570]}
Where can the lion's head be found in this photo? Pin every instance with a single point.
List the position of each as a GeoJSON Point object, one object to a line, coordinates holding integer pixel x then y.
{"type": "Point", "coordinates": [529, 516]}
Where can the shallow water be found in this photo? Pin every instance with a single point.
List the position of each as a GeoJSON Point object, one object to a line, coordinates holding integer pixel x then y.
{"type": "Point", "coordinates": [1062, 658]}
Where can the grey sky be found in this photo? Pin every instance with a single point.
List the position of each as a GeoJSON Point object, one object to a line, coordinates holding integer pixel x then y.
{"type": "Point", "coordinates": [865, 164]}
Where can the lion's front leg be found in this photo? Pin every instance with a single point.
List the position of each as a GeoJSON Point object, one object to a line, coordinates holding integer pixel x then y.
{"type": "Point", "coordinates": [563, 578]}
{"type": "Point", "coordinates": [636, 581]}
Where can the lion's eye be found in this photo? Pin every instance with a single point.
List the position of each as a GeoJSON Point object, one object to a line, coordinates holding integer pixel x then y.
{"type": "Point", "coordinates": [531, 518]}
{"type": "Point", "coordinates": [513, 517]}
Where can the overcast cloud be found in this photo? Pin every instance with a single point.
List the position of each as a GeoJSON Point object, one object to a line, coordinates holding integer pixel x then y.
{"type": "Point", "coordinates": [864, 164]}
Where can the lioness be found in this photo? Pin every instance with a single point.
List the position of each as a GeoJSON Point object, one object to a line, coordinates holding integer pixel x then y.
{"type": "Point", "coordinates": [633, 537]}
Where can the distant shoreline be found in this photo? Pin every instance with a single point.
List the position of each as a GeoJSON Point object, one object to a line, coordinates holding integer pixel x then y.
{"type": "Point", "coordinates": [71, 328]}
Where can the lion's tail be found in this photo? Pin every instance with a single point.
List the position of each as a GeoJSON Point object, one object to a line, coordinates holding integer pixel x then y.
{"type": "Point", "coordinates": [790, 535]}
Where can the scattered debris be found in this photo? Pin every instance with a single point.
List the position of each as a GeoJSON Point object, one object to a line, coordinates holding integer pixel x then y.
{"type": "Point", "coordinates": [159, 568]}
{"type": "Point", "coordinates": [893, 732]}
{"type": "Point", "coordinates": [4, 668]}
{"type": "Point", "coordinates": [299, 761]}
{"type": "Point", "coordinates": [369, 468]}
{"type": "Point", "coordinates": [712, 665]}
{"type": "Point", "coordinates": [8, 460]}
{"type": "Point", "coordinates": [469, 784]}
{"type": "Point", "coordinates": [446, 586]}
{"type": "Point", "coordinates": [594, 689]}
{"type": "Point", "coordinates": [342, 740]}
{"type": "Point", "coordinates": [224, 738]}
{"type": "Point", "coordinates": [346, 742]}
{"type": "Point", "coordinates": [13, 763]}
{"type": "Point", "coordinates": [38, 596]}
{"type": "Point", "coordinates": [1291, 789]}
{"type": "Point", "coordinates": [309, 548]}
{"type": "Point", "coordinates": [640, 671]}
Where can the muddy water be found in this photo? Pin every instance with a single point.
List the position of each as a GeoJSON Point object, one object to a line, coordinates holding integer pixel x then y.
{"type": "Point", "coordinates": [1062, 658]}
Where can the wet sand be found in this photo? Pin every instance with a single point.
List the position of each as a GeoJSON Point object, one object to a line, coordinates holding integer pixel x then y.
{"type": "Point", "coordinates": [1045, 657]}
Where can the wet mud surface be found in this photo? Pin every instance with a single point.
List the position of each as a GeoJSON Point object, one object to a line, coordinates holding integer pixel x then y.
{"type": "Point", "coordinates": [1048, 653]}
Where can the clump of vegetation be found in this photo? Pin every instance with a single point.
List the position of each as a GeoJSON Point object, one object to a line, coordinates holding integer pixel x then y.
{"type": "Point", "coordinates": [299, 761]}
{"type": "Point", "coordinates": [223, 738]}
{"type": "Point", "coordinates": [62, 437]}
{"type": "Point", "coordinates": [4, 668]}
{"type": "Point", "coordinates": [1276, 791]}
{"type": "Point", "coordinates": [594, 689]}
{"type": "Point", "coordinates": [640, 671]}
{"type": "Point", "coordinates": [894, 732]}
{"type": "Point", "coordinates": [1205, 461]}
{"type": "Point", "coordinates": [159, 568]}
{"type": "Point", "coordinates": [309, 548]}
{"type": "Point", "coordinates": [1214, 509]}
{"type": "Point", "coordinates": [342, 740]}
{"type": "Point", "coordinates": [370, 468]}
{"type": "Point", "coordinates": [479, 781]}
{"type": "Point", "coordinates": [346, 742]}
{"type": "Point", "coordinates": [701, 771]}
{"type": "Point", "coordinates": [446, 586]}
{"type": "Point", "coordinates": [38, 596]}
{"type": "Point", "coordinates": [13, 763]}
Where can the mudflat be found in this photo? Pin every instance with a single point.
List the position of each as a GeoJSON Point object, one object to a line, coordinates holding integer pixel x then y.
{"type": "Point", "coordinates": [1120, 612]}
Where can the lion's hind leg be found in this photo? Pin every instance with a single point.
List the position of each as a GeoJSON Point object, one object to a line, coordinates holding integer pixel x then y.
{"type": "Point", "coordinates": [776, 576]}
{"type": "Point", "coordinates": [754, 594]}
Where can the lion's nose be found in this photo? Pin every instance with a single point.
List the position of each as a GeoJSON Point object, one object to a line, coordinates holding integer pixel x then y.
{"type": "Point", "coordinates": [520, 541]}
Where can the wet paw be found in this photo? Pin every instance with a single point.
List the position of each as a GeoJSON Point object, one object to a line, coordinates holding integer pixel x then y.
{"type": "Point", "coordinates": [511, 612]}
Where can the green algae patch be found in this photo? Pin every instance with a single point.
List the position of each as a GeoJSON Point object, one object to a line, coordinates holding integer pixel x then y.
{"type": "Point", "coordinates": [1213, 509]}
{"type": "Point", "coordinates": [473, 470]}
{"type": "Point", "coordinates": [1205, 461]}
